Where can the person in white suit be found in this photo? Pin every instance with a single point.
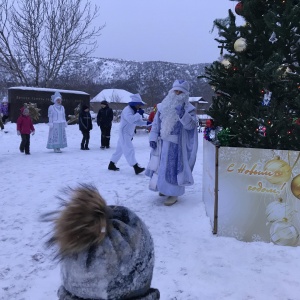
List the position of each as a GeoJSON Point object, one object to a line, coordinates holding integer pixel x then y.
{"type": "Point", "coordinates": [131, 117]}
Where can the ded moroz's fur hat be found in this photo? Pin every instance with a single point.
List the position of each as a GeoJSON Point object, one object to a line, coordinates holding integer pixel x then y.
{"type": "Point", "coordinates": [181, 85]}
{"type": "Point", "coordinates": [106, 252]}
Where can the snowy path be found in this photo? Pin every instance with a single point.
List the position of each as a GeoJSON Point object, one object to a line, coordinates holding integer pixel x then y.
{"type": "Point", "coordinates": [191, 263]}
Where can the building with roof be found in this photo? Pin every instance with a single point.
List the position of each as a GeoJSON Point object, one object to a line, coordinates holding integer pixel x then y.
{"type": "Point", "coordinates": [19, 95]}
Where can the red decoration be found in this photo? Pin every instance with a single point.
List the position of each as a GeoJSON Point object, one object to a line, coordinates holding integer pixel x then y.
{"type": "Point", "coordinates": [239, 9]}
{"type": "Point", "coordinates": [209, 123]}
{"type": "Point", "coordinates": [297, 121]}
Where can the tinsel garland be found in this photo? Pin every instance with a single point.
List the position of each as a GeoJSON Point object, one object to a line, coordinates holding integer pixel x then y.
{"type": "Point", "coordinates": [206, 133]}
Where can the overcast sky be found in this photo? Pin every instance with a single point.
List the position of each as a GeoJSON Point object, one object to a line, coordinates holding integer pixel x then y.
{"type": "Point", "coordinates": [162, 30]}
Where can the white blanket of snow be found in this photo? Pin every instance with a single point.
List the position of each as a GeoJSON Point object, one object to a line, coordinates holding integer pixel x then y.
{"type": "Point", "coordinates": [191, 263]}
{"type": "Point", "coordinates": [113, 95]}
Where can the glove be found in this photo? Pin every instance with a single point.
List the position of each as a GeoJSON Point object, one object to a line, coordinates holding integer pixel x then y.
{"type": "Point", "coordinates": [33, 132]}
{"type": "Point", "coordinates": [149, 123]}
{"type": "Point", "coordinates": [50, 125]}
{"type": "Point", "coordinates": [153, 144]}
{"type": "Point", "coordinates": [141, 111]}
{"type": "Point", "coordinates": [180, 110]}
{"type": "Point", "coordinates": [18, 132]}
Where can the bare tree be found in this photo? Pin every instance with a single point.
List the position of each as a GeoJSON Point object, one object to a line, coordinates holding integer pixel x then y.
{"type": "Point", "coordinates": [39, 37]}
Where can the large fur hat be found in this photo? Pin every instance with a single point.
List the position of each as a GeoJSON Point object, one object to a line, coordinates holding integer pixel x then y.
{"type": "Point", "coordinates": [106, 252]}
{"type": "Point", "coordinates": [181, 85]}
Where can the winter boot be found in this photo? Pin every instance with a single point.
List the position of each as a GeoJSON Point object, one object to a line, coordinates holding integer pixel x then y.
{"type": "Point", "coordinates": [138, 169]}
{"type": "Point", "coordinates": [86, 147]}
{"type": "Point", "coordinates": [170, 200]}
{"type": "Point", "coordinates": [82, 146]}
{"type": "Point", "coordinates": [113, 167]}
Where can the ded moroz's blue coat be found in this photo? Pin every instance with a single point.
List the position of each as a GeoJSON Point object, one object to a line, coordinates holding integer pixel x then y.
{"type": "Point", "coordinates": [172, 162]}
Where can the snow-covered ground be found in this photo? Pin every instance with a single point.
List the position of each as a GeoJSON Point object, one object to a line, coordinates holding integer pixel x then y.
{"type": "Point", "coordinates": [191, 263]}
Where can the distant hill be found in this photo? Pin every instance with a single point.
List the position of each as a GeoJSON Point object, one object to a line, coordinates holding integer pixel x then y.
{"type": "Point", "coordinates": [151, 79]}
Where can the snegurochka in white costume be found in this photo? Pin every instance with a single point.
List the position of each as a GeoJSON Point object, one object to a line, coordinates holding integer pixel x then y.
{"type": "Point", "coordinates": [174, 142]}
{"type": "Point", "coordinates": [57, 137]}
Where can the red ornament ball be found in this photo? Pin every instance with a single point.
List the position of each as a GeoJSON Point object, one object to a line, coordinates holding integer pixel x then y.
{"type": "Point", "coordinates": [239, 8]}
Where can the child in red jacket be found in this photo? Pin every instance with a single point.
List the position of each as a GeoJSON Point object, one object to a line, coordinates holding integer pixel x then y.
{"type": "Point", "coordinates": [24, 128]}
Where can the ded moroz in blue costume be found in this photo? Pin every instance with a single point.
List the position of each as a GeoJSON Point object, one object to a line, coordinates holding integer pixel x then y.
{"type": "Point", "coordinates": [174, 142]}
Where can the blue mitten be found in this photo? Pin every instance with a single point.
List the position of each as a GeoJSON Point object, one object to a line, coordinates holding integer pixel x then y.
{"type": "Point", "coordinates": [180, 110]}
{"type": "Point", "coordinates": [153, 144]}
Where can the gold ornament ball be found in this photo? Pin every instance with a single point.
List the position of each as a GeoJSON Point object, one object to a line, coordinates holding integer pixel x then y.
{"type": "Point", "coordinates": [295, 186]}
{"type": "Point", "coordinates": [279, 170]}
{"type": "Point", "coordinates": [284, 233]}
{"type": "Point", "coordinates": [240, 45]}
{"type": "Point", "coordinates": [226, 63]}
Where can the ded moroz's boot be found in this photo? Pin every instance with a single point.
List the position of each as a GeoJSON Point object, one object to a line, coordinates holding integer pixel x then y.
{"type": "Point", "coordinates": [113, 167]}
{"type": "Point", "coordinates": [138, 169]}
{"type": "Point", "coordinates": [170, 200]}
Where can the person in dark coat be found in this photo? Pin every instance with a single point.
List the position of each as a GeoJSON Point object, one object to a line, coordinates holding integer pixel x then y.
{"type": "Point", "coordinates": [104, 120]}
{"type": "Point", "coordinates": [85, 125]}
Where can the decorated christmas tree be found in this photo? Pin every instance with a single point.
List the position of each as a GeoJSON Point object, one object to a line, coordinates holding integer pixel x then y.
{"type": "Point", "coordinates": [257, 79]}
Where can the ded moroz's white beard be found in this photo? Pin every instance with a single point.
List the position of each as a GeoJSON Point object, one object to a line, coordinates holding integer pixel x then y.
{"type": "Point", "coordinates": [168, 115]}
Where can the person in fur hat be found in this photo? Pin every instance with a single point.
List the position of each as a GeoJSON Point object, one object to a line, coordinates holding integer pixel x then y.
{"type": "Point", "coordinates": [174, 142]}
{"type": "Point", "coordinates": [104, 121]}
{"type": "Point", "coordinates": [57, 137]}
{"type": "Point", "coordinates": [85, 126]}
{"type": "Point", "coordinates": [24, 129]}
{"type": "Point", "coordinates": [105, 252]}
{"type": "Point", "coordinates": [131, 117]}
